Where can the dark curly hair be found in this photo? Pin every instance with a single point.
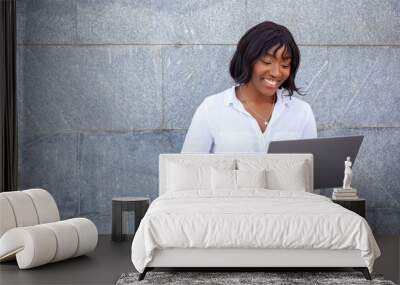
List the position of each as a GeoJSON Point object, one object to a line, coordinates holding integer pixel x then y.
{"type": "Point", "coordinates": [255, 43]}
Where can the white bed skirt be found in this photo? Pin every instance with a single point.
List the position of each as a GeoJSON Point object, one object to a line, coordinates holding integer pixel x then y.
{"type": "Point", "coordinates": [189, 257]}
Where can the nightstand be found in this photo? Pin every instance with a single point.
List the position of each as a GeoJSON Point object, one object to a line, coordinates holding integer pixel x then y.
{"type": "Point", "coordinates": [357, 205]}
{"type": "Point", "coordinates": [120, 207]}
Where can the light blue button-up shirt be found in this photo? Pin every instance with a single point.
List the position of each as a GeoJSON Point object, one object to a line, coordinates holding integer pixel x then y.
{"type": "Point", "coordinates": [221, 124]}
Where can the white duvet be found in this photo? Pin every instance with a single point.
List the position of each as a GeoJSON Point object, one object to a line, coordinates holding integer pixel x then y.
{"type": "Point", "coordinates": [252, 218]}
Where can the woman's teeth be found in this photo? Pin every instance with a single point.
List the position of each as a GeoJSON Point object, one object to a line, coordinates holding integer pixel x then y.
{"type": "Point", "coordinates": [271, 82]}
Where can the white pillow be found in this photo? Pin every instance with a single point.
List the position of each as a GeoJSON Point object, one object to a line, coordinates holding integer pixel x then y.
{"type": "Point", "coordinates": [193, 174]}
{"type": "Point", "coordinates": [223, 179]}
{"type": "Point", "coordinates": [227, 179]}
{"type": "Point", "coordinates": [187, 177]}
{"type": "Point", "coordinates": [281, 174]}
{"type": "Point", "coordinates": [292, 179]}
{"type": "Point", "coordinates": [251, 178]}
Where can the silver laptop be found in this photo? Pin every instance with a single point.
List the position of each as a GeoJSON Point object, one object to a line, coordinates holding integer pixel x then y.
{"type": "Point", "coordinates": [329, 156]}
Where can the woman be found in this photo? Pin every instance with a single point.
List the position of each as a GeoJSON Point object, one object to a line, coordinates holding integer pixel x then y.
{"type": "Point", "coordinates": [260, 108]}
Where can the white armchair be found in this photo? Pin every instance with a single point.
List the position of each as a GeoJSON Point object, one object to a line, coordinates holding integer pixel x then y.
{"type": "Point", "coordinates": [31, 230]}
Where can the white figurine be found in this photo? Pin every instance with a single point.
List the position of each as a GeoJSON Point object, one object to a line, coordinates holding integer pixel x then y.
{"type": "Point", "coordinates": [347, 174]}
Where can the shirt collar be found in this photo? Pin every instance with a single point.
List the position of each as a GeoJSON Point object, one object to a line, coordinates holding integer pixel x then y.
{"type": "Point", "coordinates": [230, 97]}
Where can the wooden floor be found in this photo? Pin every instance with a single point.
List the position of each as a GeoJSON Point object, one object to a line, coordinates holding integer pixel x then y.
{"type": "Point", "coordinates": [111, 259]}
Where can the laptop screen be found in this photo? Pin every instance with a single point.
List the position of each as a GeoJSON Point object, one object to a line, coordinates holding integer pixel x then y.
{"type": "Point", "coordinates": [329, 156]}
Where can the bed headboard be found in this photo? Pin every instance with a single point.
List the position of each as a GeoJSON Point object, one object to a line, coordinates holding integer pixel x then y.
{"type": "Point", "coordinates": [235, 158]}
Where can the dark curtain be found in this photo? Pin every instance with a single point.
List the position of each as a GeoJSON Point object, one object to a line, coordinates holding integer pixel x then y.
{"type": "Point", "coordinates": [8, 119]}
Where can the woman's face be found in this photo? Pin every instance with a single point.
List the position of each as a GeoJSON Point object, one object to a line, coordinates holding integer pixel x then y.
{"type": "Point", "coordinates": [270, 71]}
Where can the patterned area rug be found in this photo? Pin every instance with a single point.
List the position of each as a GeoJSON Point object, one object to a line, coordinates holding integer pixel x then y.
{"type": "Point", "coordinates": [225, 278]}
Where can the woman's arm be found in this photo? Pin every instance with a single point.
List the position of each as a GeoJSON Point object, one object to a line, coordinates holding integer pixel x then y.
{"type": "Point", "coordinates": [198, 137]}
{"type": "Point", "coordinates": [310, 128]}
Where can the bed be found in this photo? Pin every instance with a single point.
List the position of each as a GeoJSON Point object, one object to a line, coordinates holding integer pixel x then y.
{"type": "Point", "coordinates": [247, 210]}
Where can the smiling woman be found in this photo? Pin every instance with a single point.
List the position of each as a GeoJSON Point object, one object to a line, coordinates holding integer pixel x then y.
{"type": "Point", "coordinates": [260, 108]}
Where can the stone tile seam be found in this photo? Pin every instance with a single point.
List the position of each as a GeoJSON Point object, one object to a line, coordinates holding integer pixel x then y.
{"type": "Point", "coordinates": [193, 44]}
{"type": "Point", "coordinates": [372, 209]}
{"type": "Point", "coordinates": [162, 89]}
{"type": "Point", "coordinates": [41, 136]}
{"type": "Point", "coordinates": [339, 127]}
{"type": "Point", "coordinates": [78, 170]}
{"type": "Point", "coordinates": [185, 129]}
{"type": "Point", "coordinates": [76, 23]}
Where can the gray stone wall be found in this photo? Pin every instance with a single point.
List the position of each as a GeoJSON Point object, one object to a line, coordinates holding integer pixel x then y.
{"type": "Point", "coordinates": [105, 86]}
